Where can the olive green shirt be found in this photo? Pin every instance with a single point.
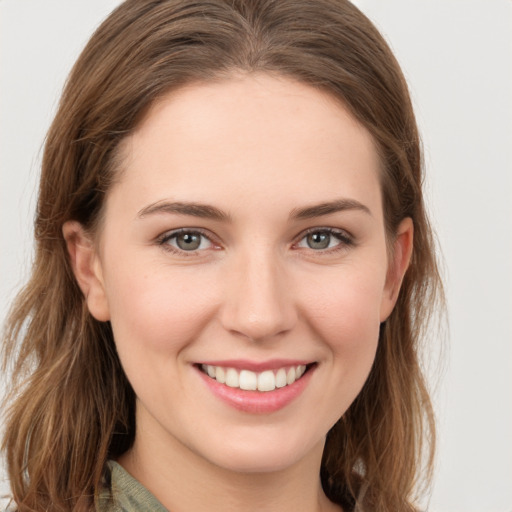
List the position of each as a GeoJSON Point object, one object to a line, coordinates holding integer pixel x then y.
{"type": "Point", "coordinates": [122, 493]}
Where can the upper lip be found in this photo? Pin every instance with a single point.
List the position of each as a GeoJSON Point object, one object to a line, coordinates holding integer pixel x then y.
{"type": "Point", "coordinates": [256, 366]}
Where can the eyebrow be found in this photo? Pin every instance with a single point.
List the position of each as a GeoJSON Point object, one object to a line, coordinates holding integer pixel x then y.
{"type": "Point", "coordinates": [206, 211]}
{"type": "Point", "coordinates": [321, 209]}
{"type": "Point", "coordinates": [194, 209]}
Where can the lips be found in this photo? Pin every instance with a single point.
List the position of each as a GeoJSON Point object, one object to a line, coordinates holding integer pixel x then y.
{"type": "Point", "coordinates": [258, 388]}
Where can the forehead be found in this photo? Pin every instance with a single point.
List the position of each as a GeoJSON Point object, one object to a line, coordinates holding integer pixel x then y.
{"type": "Point", "coordinates": [249, 137]}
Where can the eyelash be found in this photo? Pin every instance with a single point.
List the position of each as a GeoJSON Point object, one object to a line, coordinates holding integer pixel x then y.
{"type": "Point", "coordinates": [164, 239]}
{"type": "Point", "coordinates": [345, 239]}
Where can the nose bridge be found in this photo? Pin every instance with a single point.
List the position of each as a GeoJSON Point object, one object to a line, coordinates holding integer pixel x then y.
{"type": "Point", "coordinates": [258, 302]}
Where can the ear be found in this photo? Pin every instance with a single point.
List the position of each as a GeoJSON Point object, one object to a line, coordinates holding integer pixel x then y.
{"type": "Point", "coordinates": [400, 259]}
{"type": "Point", "coordinates": [87, 269]}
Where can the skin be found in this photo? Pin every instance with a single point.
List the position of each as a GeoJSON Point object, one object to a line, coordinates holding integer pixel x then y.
{"type": "Point", "coordinates": [258, 148]}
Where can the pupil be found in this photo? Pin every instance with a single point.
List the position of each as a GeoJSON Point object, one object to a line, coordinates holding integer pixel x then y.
{"type": "Point", "coordinates": [319, 240]}
{"type": "Point", "coordinates": [188, 242]}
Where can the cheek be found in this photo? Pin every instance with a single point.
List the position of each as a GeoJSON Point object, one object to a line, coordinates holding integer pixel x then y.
{"type": "Point", "coordinates": [159, 311]}
{"type": "Point", "coordinates": [345, 310]}
{"type": "Point", "coordinates": [343, 313]}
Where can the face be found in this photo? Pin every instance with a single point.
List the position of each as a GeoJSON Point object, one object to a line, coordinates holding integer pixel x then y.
{"type": "Point", "coordinates": [242, 262]}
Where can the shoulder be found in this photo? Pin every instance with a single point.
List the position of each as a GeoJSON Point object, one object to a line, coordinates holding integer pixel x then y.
{"type": "Point", "coordinates": [122, 493]}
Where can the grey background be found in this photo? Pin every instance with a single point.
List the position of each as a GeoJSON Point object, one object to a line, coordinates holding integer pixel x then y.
{"type": "Point", "coordinates": [457, 57]}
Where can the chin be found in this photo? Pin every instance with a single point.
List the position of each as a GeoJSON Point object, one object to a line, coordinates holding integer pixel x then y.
{"type": "Point", "coordinates": [265, 455]}
{"type": "Point", "coordinates": [261, 463]}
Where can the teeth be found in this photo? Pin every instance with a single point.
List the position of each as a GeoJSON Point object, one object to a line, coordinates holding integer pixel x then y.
{"type": "Point", "coordinates": [232, 379]}
{"type": "Point", "coordinates": [220, 374]}
{"type": "Point", "coordinates": [248, 380]}
{"type": "Point", "coordinates": [267, 380]}
{"type": "Point", "coordinates": [281, 378]}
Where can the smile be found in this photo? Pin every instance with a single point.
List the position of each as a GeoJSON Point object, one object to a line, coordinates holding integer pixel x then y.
{"type": "Point", "coordinates": [248, 380]}
{"type": "Point", "coordinates": [256, 388]}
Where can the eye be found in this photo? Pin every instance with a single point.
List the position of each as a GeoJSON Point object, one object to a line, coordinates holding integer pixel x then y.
{"type": "Point", "coordinates": [325, 239]}
{"type": "Point", "coordinates": [186, 240]}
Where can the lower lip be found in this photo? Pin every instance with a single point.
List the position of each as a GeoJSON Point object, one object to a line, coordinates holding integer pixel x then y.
{"type": "Point", "coordinates": [258, 402]}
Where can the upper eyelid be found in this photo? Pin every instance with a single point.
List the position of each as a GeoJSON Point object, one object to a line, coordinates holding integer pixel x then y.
{"type": "Point", "coordinates": [173, 232]}
{"type": "Point", "coordinates": [331, 230]}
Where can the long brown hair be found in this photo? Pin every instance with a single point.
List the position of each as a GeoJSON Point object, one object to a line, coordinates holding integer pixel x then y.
{"type": "Point", "coordinates": [71, 407]}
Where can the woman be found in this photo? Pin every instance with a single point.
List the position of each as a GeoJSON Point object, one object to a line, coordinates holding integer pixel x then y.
{"type": "Point", "coordinates": [233, 270]}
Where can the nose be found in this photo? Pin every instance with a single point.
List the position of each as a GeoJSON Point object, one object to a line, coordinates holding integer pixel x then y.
{"type": "Point", "coordinates": [258, 303]}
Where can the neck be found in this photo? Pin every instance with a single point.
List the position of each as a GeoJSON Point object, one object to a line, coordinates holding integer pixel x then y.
{"type": "Point", "coordinates": [181, 480]}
